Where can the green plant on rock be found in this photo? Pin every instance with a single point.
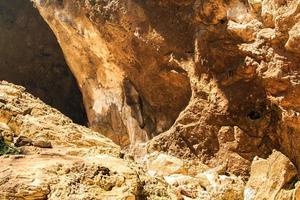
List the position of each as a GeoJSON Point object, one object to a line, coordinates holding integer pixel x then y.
{"type": "Point", "coordinates": [6, 149]}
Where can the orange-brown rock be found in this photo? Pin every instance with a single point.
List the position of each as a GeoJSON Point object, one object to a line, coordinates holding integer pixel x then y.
{"type": "Point", "coordinates": [273, 178]}
{"type": "Point", "coordinates": [115, 51]}
{"type": "Point", "coordinates": [83, 164]}
{"type": "Point", "coordinates": [224, 72]}
{"type": "Point", "coordinates": [205, 93]}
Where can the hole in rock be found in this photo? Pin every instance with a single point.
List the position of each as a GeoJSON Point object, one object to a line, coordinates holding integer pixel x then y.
{"type": "Point", "coordinates": [223, 21]}
{"type": "Point", "coordinates": [30, 56]}
{"type": "Point", "coordinates": [254, 115]}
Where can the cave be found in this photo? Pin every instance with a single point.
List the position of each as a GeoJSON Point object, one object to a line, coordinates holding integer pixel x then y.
{"type": "Point", "coordinates": [31, 56]}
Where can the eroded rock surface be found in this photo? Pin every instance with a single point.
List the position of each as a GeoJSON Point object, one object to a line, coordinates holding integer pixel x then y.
{"type": "Point", "coordinates": [47, 156]}
{"type": "Point", "coordinates": [272, 178]}
{"type": "Point", "coordinates": [67, 177]}
{"type": "Point", "coordinates": [57, 159]}
{"type": "Point", "coordinates": [26, 120]}
{"type": "Point", "coordinates": [226, 72]}
{"type": "Point", "coordinates": [115, 52]}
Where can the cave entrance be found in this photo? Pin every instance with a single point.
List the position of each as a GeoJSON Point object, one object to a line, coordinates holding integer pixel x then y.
{"type": "Point", "coordinates": [30, 56]}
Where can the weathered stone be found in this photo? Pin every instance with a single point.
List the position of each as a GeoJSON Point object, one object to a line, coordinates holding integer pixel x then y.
{"type": "Point", "coordinates": [181, 76]}
{"type": "Point", "coordinates": [66, 177]}
{"type": "Point", "coordinates": [272, 178]}
{"type": "Point", "coordinates": [246, 32]}
{"type": "Point", "coordinates": [48, 125]}
{"type": "Point", "coordinates": [160, 164]}
{"type": "Point", "coordinates": [42, 144]}
{"type": "Point", "coordinates": [215, 82]}
{"type": "Point", "coordinates": [23, 141]}
{"type": "Point", "coordinates": [294, 39]}
{"type": "Point", "coordinates": [82, 164]}
{"type": "Point", "coordinates": [208, 185]}
{"type": "Point", "coordinates": [114, 91]}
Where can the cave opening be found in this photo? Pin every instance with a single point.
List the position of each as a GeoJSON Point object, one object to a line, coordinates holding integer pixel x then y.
{"type": "Point", "coordinates": [31, 56]}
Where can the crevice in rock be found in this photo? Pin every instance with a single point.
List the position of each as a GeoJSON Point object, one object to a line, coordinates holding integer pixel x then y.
{"type": "Point", "coordinates": [30, 56]}
{"type": "Point", "coordinates": [134, 100]}
{"type": "Point", "coordinates": [254, 115]}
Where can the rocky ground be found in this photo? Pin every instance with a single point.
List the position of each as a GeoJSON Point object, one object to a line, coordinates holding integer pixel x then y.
{"type": "Point", "coordinates": [46, 156]}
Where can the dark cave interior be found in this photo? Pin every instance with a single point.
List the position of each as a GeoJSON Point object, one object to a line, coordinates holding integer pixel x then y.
{"type": "Point", "coordinates": [31, 56]}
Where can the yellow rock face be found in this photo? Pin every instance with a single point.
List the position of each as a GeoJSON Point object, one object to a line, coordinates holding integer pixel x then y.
{"type": "Point", "coordinates": [78, 164]}
{"type": "Point", "coordinates": [185, 75]}
{"type": "Point", "coordinates": [205, 81]}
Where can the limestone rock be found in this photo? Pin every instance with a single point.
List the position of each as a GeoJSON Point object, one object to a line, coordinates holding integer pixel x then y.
{"type": "Point", "coordinates": [67, 177]}
{"type": "Point", "coordinates": [184, 75]}
{"type": "Point", "coordinates": [114, 90]}
{"type": "Point", "coordinates": [211, 81]}
{"type": "Point", "coordinates": [198, 183]}
{"type": "Point", "coordinates": [272, 178]}
{"type": "Point", "coordinates": [44, 123]}
{"type": "Point", "coordinates": [97, 172]}
{"type": "Point", "coordinates": [207, 185]}
{"type": "Point", "coordinates": [246, 32]}
{"type": "Point", "coordinates": [161, 165]}
{"type": "Point", "coordinates": [81, 163]}
{"type": "Point", "coordinates": [294, 39]}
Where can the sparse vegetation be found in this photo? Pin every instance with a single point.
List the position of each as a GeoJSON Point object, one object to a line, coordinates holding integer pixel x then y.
{"type": "Point", "coordinates": [7, 148]}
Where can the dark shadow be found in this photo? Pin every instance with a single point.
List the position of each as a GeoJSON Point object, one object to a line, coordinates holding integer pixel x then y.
{"type": "Point", "coordinates": [30, 56]}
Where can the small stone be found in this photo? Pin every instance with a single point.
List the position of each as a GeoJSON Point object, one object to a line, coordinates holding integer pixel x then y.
{"type": "Point", "coordinates": [164, 165]}
{"type": "Point", "coordinates": [42, 144]}
{"type": "Point", "coordinates": [23, 141]}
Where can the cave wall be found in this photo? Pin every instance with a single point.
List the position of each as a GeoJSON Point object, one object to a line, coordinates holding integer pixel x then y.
{"type": "Point", "coordinates": [130, 95]}
{"type": "Point", "coordinates": [226, 72]}
{"type": "Point", "coordinates": [30, 56]}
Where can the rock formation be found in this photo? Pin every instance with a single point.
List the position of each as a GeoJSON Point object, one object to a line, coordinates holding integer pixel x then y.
{"type": "Point", "coordinates": [52, 158]}
{"type": "Point", "coordinates": [273, 178]}
{"type": "Point", "coordinates": [115, 55]}
{"type": "Point", "coordinates": [216, 80]}
{"type": "Point", "coordinates": [57, 159]}
{"type": "Point", "coordinates": [204, 94]}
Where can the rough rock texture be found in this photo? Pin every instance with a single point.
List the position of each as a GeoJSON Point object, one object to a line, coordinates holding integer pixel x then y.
{"type": "Point", "coordinates": [232, 63]}
{"type": "Point", "coordinates": [57, 159]}
{"type": "Point", "coordinates": [272, 178]}
{"type": "Point", "coordinates": [244, 81]}
{"type": "Point", "coordinates": [30, 56]}
{"type": "Point", "coordinates": [67, 177]}
{"type": "Point", "coordinates": [121, 62]}
{"type": "Point", "coordinates": [23, 116]}
{"type": "Point", "coordinates": [209, 84]}
{"type": "Point", "coordinates": [79, 164]}
{"type": "Point", "coordinates": [193, 179]}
